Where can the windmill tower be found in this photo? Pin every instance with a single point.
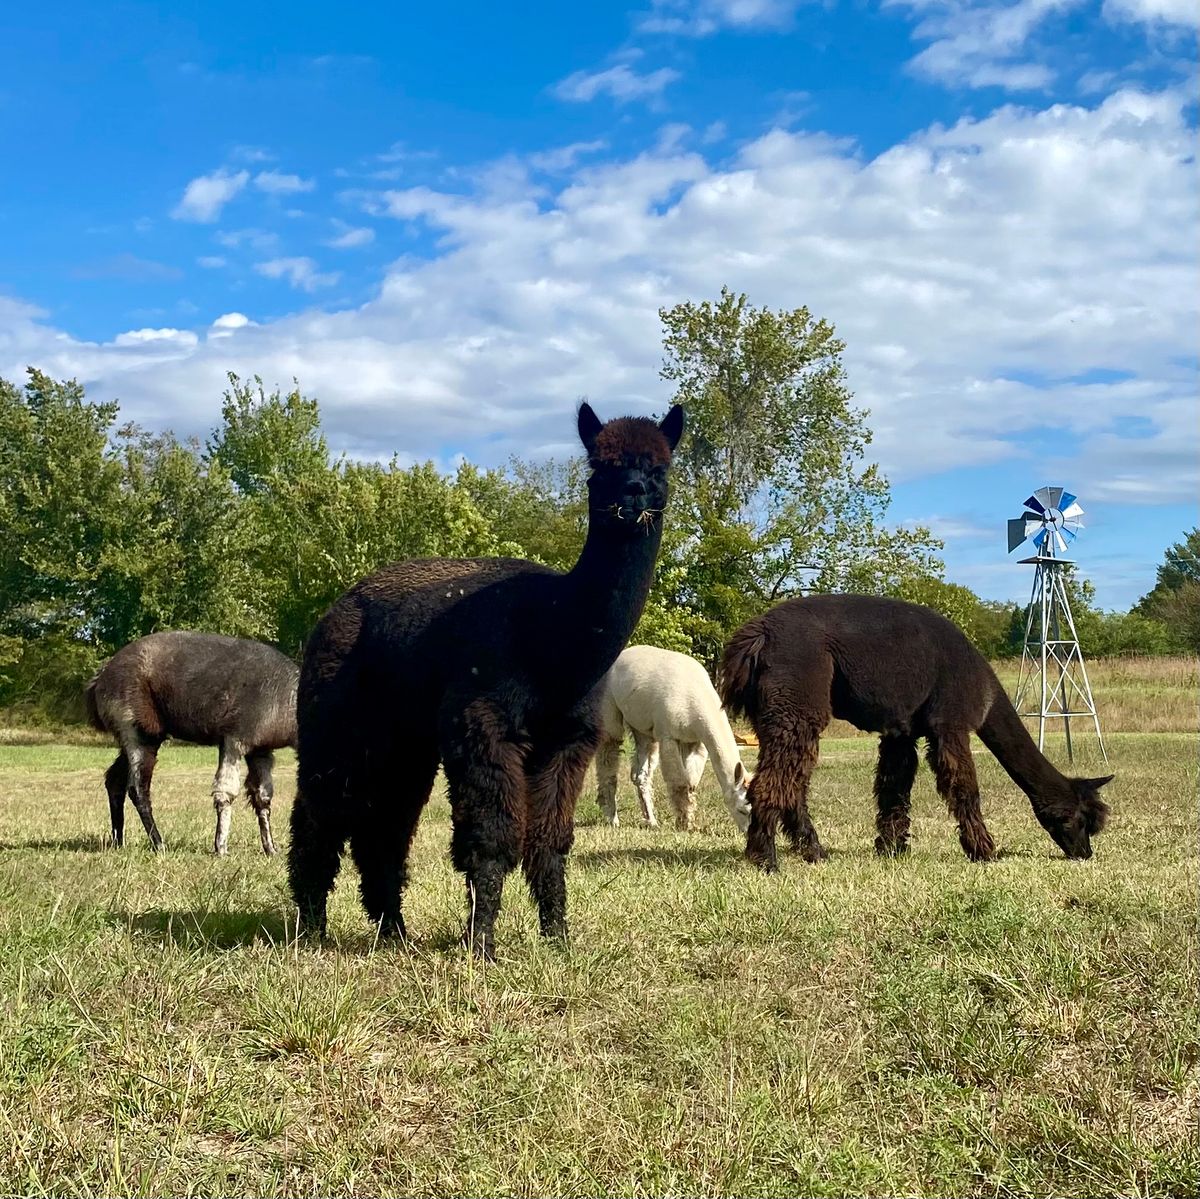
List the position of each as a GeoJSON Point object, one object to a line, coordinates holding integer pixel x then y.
{"type": "Point", "coordinates": [1053, 682]}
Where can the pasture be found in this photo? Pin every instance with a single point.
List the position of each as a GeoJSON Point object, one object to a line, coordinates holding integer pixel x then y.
{"type": "Point", "coordinates": [923, 1026]}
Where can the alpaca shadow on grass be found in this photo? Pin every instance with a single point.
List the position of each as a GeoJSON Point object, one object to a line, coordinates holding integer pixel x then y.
{"type": "Point", "coordinates": [209, 930]}
{"type": "Point", "coordinates": [711, 857]}
{"type": "Point", "coordinates": [98, 843]}
{"type": "Point", "coordinates": [88, 843]}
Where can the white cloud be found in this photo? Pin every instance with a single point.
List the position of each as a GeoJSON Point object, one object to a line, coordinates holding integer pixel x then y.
{"type": "Point", "coordinates": [562, 158]}
{"type": "Point", "coordinates": [211, 262]}
{"type": "Point", "coordinates": [981, 275]}
{"type": "Point", "coordinates": [228, 324]}
{"type": "Point", "coordinates": [301, 273]}
{"type": "Point", "coordinates": [256, 239]}
{"type": "Point", "coordinates": [621, 82]}
{"type": "Point", "coordinates": [206, 195]}
{"type": "Point", "coordinates": [182, 338]}
{"type": "Point", "coordinates": [275, 183]}
{"type": "Point", "coordinates": [350, 237]}
{"type": "Point", "coordinates": [699, 18]}
{"type": "Point", "coordinates": [1154, 12]}
{"type": "Point", "coordinates": [982, 44]}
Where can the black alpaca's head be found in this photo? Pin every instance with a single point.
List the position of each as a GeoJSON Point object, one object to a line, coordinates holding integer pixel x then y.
{"type": "Point", "coordinates": [1072, 825]}
{"type": "Point", "coordinates": [629, 457]}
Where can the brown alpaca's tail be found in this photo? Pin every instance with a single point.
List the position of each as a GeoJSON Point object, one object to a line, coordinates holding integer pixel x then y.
{"type": "Point", "coordinates": [739, 670]}
{"type": "Point", "coordinates": [93, 709]}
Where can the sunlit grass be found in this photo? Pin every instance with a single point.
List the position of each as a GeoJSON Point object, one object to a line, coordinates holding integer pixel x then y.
{"type": "Point", "coordinates": [922, 1026]}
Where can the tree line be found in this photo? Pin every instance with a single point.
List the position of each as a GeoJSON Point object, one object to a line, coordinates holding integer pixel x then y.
{"type": "Point", "coordinates": [109, 531]}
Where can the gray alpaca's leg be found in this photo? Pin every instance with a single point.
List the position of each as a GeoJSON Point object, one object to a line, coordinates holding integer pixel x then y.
{"type": "Point", "coordinates": [226, 785]}
{"type": "Point", "coordinates": [116, 782]}
{"type": "Point", "coordinates": [949, 756]}
{"type": "Point", "coordinates": [608, 764]}
{"type": "Point", "coordinates": [645, 763]}
{"type": "Point", "coordinates": [260, 787]}
{"type": "Point", "coordinates": [893, 790]}
{"type": "Point", "coordinates": [674, 758]}
{"type": "Point", "coordinates": [142, 758]}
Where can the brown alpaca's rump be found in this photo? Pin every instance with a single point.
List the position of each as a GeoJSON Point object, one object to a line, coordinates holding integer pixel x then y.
{"type": "Point", "coordinates": [902, 671]}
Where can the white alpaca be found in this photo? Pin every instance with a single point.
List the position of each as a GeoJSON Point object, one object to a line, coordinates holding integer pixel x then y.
{"type": "Point", "coordinates": [666, 699]}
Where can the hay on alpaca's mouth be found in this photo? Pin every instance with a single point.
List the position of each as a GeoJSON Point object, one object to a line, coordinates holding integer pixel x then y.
{"type": "Point", "coordinates": [643, 517]}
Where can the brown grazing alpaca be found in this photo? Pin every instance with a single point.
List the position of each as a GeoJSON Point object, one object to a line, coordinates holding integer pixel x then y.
{"type": "Point", "coordinates": [490, 667]}
{"type": "Point", "coordinates": [200, 687]}
{"type": "Point", "coordinates": [904, 672]}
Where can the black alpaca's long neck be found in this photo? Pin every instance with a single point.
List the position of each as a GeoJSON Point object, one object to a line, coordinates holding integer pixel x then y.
{"type": "Point", "coordinates": [606, 592]}
{"type": "Point", "coordinates": [1005, 734]}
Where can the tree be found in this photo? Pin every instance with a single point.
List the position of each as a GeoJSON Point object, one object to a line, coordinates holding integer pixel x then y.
{"type": "Point", "coordinates": [1174, 600]}
{"type": "Point", "coordinates": [771, 492]}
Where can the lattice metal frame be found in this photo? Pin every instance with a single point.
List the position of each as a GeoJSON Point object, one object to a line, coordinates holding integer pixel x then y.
{"type": "Point", "coordinates": [1053, 675]}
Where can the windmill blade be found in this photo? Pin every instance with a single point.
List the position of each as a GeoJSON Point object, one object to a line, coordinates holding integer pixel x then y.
{"type": "Point", "coordinates": [1034, 503]}
{"type": "Point", "coordinates": [1016, 533]}
{"type": "Point", "coordinates": [1040, 539]}
{"type": "Point", "coordinates": [1066, 500]}
{"type": "Point", "coordinates": [1072, 510]}
{"type": "Point", "coordinates": [1068, 533]}
{"type": "Point", "coordinates": [1049, 496]}
{"type": "Point", "coordinates": [1058, 541]}
{"type": "Point", "coordinates": [1032, 526]}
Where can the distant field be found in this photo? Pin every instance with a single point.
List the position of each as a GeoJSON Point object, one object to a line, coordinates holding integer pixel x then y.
{"type": "Point", "coordinates": [921, 1027]}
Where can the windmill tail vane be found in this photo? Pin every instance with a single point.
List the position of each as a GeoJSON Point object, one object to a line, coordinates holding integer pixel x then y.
{"type": "Point", "coordinates": [1053, 682]}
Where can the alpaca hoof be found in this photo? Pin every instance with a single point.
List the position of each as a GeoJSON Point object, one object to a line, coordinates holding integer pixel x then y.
{"type": "Point", "coordinates": [981, 853]}
{"type": "Point", "coordinates": [392, 928]}
{"type": "Point", "coordinates": [768, 864]}
{"type": "Point", "coordinates": [890, 849]}
{"type": "Point", "coordinates": [482, 949]}
{"type": "Point", "coordinates": [812, 853]}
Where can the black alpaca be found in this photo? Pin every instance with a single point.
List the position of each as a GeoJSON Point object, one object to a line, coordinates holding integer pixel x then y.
{"type": "Point", "coordinates": [491, 667]}
{"type": "Point", "coordinates": [904, 672]}
{"type": "Point", "coordinates": [200, 687]}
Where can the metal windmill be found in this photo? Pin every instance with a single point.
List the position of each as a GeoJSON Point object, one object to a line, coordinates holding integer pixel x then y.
{"type": "Point", "coordinates": [1053, 680]}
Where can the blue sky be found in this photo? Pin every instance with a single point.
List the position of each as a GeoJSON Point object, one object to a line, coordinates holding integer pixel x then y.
{"type": "Point", "coordinates": [451, 223]}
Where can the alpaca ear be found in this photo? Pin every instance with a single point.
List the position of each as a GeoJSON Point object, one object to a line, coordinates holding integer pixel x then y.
{"type": "Point", "coordinates": [1096, 784]}
{"type": "Point", "coordinates": [739, 774]}
{"type": "Point", "coordinates": [671, 426]}
{"type": "Point", "coordinates": [589, 426]}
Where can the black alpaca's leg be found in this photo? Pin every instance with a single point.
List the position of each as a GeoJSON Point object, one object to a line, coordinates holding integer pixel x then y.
{"type": "Point", "coordinates": [486, 780]}
{"type": "Point", "coordinates": [315, 850]}
{"type": "Point", "coordinates": [554, 781]}
{"type": "Point", "coordinates": [779, 791]}
{"type": "Point", "coordinates": [950, 758]}
{"type": "Point", "coordinates": [226, 785]}
{"type": "Point", "coordinates": [260, 787]}
{"type": "Point", "coordinates": [142, 758]}
{"type": "Point", "coordinates": [383, 834]}
{"type": "Point", "coordinates": [116, 782]}
{"type": "Point", "coordinates": [893, 791]}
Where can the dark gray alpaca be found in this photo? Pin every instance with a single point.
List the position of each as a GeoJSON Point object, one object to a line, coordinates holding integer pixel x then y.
{"type": "Point", "coordinates": [199, 687]}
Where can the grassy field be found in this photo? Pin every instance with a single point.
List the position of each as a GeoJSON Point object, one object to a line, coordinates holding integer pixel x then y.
{"type": "Point", "coordinates": [920, 1027]}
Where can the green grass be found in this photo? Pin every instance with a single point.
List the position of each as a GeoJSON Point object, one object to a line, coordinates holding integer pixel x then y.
{"type": "Point", "coordinates": [864, 1027]}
